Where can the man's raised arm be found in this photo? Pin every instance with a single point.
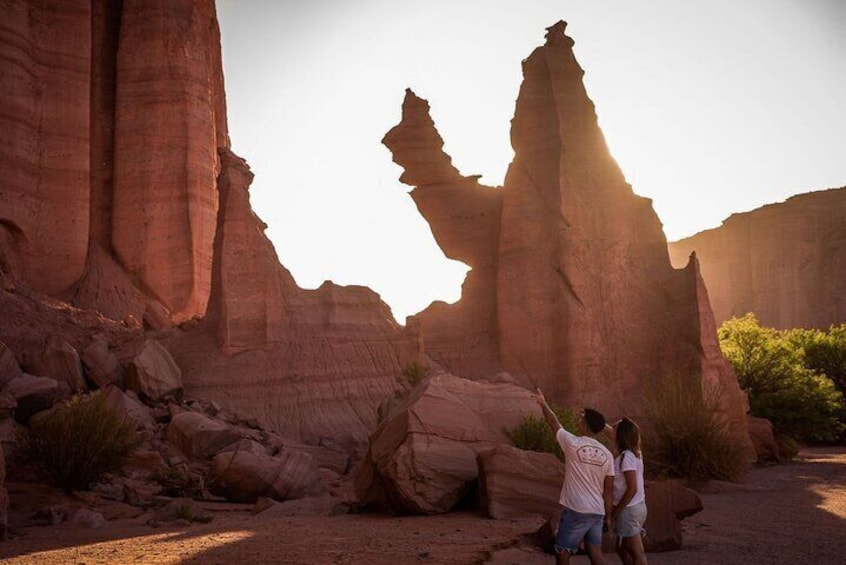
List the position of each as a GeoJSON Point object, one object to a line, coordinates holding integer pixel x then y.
{"type": "Point", "coordinates": [548, 414]}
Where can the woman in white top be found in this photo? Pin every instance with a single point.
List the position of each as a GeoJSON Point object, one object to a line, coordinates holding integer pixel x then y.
{"type": "Point", "coordinates": [629, 509]}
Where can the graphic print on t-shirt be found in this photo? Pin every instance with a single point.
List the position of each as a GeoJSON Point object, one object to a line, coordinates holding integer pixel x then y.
{"type": "Point", "coordinates": [592, 455]}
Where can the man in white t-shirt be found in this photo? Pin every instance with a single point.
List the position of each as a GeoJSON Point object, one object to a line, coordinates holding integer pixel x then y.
{"type": "Point", "coordinates": [588, 485]}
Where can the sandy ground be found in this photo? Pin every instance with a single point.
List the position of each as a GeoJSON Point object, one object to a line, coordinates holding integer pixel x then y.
{"type": "Point", "coordinates": [791, 513]}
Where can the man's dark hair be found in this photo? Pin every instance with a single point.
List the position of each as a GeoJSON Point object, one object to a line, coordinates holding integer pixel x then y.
{"type": "Point", "coordinates": [595, 420]}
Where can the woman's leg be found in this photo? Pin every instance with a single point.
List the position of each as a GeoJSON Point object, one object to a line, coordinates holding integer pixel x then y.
{"type": "Point", "coordinates": [623, 552]}
{"type": "Point", "coordinates": [634, 547]}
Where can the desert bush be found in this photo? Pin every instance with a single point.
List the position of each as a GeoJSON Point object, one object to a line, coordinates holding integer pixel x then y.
{"type": "Point", "coordinates": [686, 436]}
{"type": "Point", "coordinates": [78, 442]}
{"type": "Point", "coordinates": [534, 434]}
{"type": "Point", "coordinates": [413, 374]}
{"type": "Point", "coordinates": [779, 375]}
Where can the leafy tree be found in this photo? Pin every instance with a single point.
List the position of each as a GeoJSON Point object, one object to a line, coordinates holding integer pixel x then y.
{"type": "Point", "coordinates": [771, 367]}
{"type": "Point", "coordinates": [826, 354]}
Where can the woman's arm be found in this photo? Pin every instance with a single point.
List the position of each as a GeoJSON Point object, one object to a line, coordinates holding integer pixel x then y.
{"type": "Point", "coordinates": [631, 490]}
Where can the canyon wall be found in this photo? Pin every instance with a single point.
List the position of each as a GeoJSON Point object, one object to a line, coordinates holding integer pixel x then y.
{"type": "Point", "coordinates": [120, 196]}
{"type": "Point", "coordinates": [113, 113]}
{"type": "Point", "coordinates": [571, 287]}
{"type": "Point", "coordinates": [784, 262]}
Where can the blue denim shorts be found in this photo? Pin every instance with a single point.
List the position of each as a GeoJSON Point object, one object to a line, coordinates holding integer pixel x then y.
{"type": "Point", "coordinates": [573, 527]}
{"type": "Point", "coordinates": [630, 520]}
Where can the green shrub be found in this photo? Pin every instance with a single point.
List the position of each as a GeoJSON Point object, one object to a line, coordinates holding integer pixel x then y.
{"type": "Point", "coordinates": [684, 435]}
{"type": "Point", "coordinates": [78, 442]}
{"type": "Point", "coordinates": [534, 434]}
{"type": "Point", "coordinates": [781, 372]}
{"type": "Point", "coordinates": [186, 512]}
{"type": "Point", "coordinates": [180, 482]}
{"type": "Point", "coordinates": [413, 374]}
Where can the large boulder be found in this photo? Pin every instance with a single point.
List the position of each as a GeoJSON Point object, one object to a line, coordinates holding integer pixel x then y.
{"type": "Point", "coordinates": [763, 440]}
{"type": "Point", "coordinates": [668, 503]}
{"type": "Point", "coordinates": [34, 394]}
{"type": "Point", "coordinates": [422, 457]}
{"type": "Point", "coordinates": [9, 368]}
{"type": "Point", "coordinates": [197, 435]}
{"type": "Point", "coordinates": [102, 366]}
{"type": "Point", "coordinates": [128, 407]}
{"type": "Point", "coordinates": [515, 483]}
{"type": "Point", "coordinates": [153, 374]}
{"type": "Point", "coordinates": [244, 475]}
{"type": "Point", "coordinates": [58, 360]}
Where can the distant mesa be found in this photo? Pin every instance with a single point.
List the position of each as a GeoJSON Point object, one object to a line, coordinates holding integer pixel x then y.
{"type": "Point", "coordinates": [785, 262]}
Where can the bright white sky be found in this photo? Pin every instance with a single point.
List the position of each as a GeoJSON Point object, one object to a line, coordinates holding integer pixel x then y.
{"type": "Point", "coordinates": [710, 106]}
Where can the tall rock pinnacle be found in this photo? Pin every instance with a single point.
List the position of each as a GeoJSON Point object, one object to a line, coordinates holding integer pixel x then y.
{"type": "Point", "coordinates": [571, 287]}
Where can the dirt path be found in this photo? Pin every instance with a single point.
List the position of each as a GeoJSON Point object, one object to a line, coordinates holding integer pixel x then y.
{"type": "Point", "coordinates": [792, 513]}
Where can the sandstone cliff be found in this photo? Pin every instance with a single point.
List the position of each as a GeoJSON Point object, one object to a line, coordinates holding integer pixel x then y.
{"type": "Point", "coordinates": [571, 286]}
{"type": "Point", "coordinates": [785, 262]}
{"type": "Point", "coordinates": [121, 197]}
{"type": "Point", "coordinates": [113, 112]}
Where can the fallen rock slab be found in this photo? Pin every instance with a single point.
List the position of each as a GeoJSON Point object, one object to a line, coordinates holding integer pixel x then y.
{"type": "Point", "coordinates": [244, 476]}
{"type": "Point", "coordinates": [197, 435]}
{"type": "Point", "coordinates": [668, 503]}
{"type": "Point", "coordinates": [515, 483]}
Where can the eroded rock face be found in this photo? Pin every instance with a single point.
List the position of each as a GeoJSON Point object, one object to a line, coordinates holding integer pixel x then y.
{"type": "Point", "coordinates": [165, 204]}
{"type": "Point", "coordinates": [250, 283]}
{"type": "Point", "coordinates": [45, 58]}
{"type": "Point", "coordinates": [113, 114]}
{"type": "Point", "coordinates": [784, 262]}
{"type": "Point", "coordinates": [571, 286]}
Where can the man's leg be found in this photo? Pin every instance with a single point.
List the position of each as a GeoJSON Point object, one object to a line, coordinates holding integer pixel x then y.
{"type": "Point", "coordinates": [562, 558]}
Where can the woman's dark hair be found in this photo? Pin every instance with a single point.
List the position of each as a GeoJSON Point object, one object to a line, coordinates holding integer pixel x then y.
{"type": "Point", "coordinates": [628, 436]}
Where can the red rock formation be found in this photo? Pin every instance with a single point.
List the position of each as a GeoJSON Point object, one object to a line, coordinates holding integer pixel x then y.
{"type": "Point", "coordinates": [465, 219]}
{"type": "Point", "coordinates": [785, 262]}
{"type": "Point", "coordinates": [166, 139]}
{"type": "Point", "coordinates": [312, 364]}
{"type": "Point", "coordinates": [248, 305]}
{"type": "Point", "coordinates": [45, 57]}
{"type": "Point", "coordinates": [571, 287]}
{"type": "Point", "coordinates": [125, 199]}
{"type": "Point", "coordinates": [114, 113]}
